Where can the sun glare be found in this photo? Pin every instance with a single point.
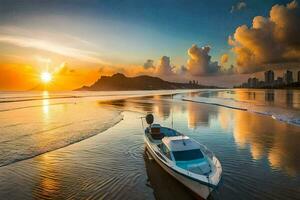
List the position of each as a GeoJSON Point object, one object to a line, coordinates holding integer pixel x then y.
{"type": "Point", "coordinates": [46, 77]}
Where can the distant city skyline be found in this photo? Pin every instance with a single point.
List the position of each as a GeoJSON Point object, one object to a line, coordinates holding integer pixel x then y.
{"type": "Point", "coordinates": [270, 80]}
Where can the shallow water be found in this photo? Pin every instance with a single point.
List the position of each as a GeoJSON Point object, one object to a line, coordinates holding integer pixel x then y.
{"type": "Point", "coordinates": [33, 123]}
{"type": "Point", "coordinates": [32, 131]}
{"type": "Point", "coordinates": [283, 105]}
{"type": "Point", "coordinates": [258, 153]}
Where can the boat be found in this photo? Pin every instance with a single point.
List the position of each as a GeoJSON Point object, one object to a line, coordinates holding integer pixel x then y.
{"type": "Point", "coordinates": [188, 161]}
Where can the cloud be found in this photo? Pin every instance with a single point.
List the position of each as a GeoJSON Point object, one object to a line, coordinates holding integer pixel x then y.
{"type": "Point", "coordinates": [128, 70]}
{"type": "Point", "coordinates": [224, 59]}
{"type": "Point", "coordinates": [29, 42]}
{"type": "Point", "coordinates": [164, 67]}
{"type": "Point", "coordinates": [182, 70]}
{"type": "Point", "coordinates": [239, 6]}
{"type": "Point", "coordinates": [225, 69]}
{"type": "Point", "coordinates": [228, 70]}
{"type": "Point", "coordinates": [149, 64]}
{"type": "Point", "coordinates": [270, 40]}
{"type": "Point", "coordinates": [200, 62]}
{"type": "Point", "coordinates": [292, 5]}
{"type": "Point", "coordinates": [63, 69]}
{"type": "Point", "coordinates": [107, 71]}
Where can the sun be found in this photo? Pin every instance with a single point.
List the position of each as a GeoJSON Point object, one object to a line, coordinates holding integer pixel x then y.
{"type": "Point", "coordinates": [46, 77]}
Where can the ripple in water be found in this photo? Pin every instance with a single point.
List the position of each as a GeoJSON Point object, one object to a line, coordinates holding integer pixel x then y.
{"type": "Point", "coordinates": [258, 155]}
{"type": "Point", "coordinates": [33, 131]}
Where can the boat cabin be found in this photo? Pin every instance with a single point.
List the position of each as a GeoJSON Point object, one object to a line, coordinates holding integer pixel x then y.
{"type": "Point", "coordinates": [186, 153]}
{"type": "Point", "coordinates": [182, 148]}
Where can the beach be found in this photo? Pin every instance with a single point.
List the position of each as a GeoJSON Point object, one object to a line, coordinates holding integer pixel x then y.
{"type": "Point", "coordinates": [89, 145]}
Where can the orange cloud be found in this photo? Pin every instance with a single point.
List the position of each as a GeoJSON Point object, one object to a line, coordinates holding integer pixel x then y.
{"type": "Point", "coordinates": [271, 40]}
{"type": "Point", "coordinates": [224, 59]}
{"type": "Point", "coordinates": [128, 70]}
{"type": "Point", "coordinates": [63, 69]}
{"type": "Point", "coordinates": [164, 67]}
{"type": "Point", "coordinates": [200, 62]}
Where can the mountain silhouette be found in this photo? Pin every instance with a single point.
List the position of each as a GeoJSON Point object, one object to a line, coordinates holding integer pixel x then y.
{"type": "Point", "coordinates": [119, 81]}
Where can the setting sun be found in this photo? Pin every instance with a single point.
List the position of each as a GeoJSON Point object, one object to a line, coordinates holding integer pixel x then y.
{"type": "Point", "coordinates": [46, 77]}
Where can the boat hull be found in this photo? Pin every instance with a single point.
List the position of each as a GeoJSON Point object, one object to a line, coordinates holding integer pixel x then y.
{"type": "Point", "coordinates": [193, 185]}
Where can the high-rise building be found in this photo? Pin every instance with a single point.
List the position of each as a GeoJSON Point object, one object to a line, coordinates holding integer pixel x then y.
{"type": "Point", "coordinates": [249, 82]}
{"type": "Point", "coordinates": [252, 82]}
{"type": "Point", "coordinates": [269, 77]}
{"type": "Point", "coordinates": [255, 82]}
{"type": "Point", "coordinates": [279, 80]}
{"type": "Point", "coordinates": [288, 77]}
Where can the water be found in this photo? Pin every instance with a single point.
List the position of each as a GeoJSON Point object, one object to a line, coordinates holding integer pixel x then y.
{"type": "Point", "coordinates": [87, 159]}
{"type": "Point", "coordinates": [35, 123]}
{"type": "Point", "coordinates": [282, 105]}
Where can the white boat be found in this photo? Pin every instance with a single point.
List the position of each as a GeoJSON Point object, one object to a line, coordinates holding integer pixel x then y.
{"type": "Point", "coordinates": [188, 161]}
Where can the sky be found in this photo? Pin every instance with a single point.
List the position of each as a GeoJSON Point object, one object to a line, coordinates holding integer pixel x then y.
{"type": "Point", "coordinates": [213, 41]}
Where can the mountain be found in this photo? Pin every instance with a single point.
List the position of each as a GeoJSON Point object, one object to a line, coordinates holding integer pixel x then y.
{"type": "Point", "coordinates": [121, 82]}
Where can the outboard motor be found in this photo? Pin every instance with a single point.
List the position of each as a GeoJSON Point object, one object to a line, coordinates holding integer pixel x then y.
{"type": "Point", "coordinates": [149, 119]}
{"type": "Point", "coordinates": [155, 130]}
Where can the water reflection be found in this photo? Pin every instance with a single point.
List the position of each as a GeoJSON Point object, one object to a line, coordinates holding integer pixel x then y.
{"type": "Point", "coordinates": [46, 126]}
{"type": "Point", "coordinates": [289, 98]}
{"type": "Point", "coordinates": [149, 104]}
{"type": "Point", "coordinates": [45, 103]}
{"type": "Point", "coordinates": [251, 95]}
{"type": "Point", "coordinates": [197, 115]}
{"type": "Point", "coordinates": [257, 152]}
{"type": "Point", "coordinates": [282, 98]}
{"type": "Point", "coordinates": [269, 96]}
{"type": "Point", "coordinates": [284, 153]}
{"type": "Point", "coordinates": [49, 184]}
{"type": "Point", "coordinates": [164, 186]}
{"type": "Point", "coordinates": [225, 118]}
{"type": "Point", "coordinates": [277, 141]}
{"type": "Point", "coordinates": [162, 108]}
{"type": "Point", "coordinates": [263, 136]}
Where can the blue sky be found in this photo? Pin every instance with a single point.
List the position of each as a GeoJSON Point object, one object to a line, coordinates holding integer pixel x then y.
{"type": "Point", "coordinates": [119, 34]}
{"type": "Point", "coordinates": [145, 29]}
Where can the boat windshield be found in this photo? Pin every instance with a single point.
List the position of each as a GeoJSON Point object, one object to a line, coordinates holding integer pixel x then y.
{"type": "Point", "coordinates": [193, 154]}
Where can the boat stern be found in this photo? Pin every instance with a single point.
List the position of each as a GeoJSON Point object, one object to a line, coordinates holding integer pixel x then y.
{"type": "Point", "coordinates": [215, 177]}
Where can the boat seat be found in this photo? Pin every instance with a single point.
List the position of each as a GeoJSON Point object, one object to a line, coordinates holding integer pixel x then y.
{"type": "Point", "coordinates": [156, 133]}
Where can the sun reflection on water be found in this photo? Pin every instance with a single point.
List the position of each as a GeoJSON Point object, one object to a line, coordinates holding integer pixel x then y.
{"type": "Point", "coordinates": [46, 103]}
{"type": "Point", "coordinates": [49, 183]}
